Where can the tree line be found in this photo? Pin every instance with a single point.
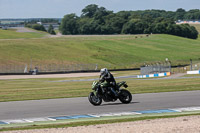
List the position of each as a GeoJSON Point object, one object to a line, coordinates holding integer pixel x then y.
{"type": "Point", "coordinates": [40, 27]}
{"type": "Point", "coordinates": [99, 20]}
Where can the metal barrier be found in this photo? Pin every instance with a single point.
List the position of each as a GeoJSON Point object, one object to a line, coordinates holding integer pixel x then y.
{"type": "Point", "coordinates": [152, 68]}
{"type": "Point", "coordinates": [55, 68]}
{"type": "Point", "coordinates": [45, 68]}
{"type": "Point", "coordinates": [156, 68]}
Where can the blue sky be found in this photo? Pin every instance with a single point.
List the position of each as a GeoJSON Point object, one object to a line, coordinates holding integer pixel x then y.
{"type": "Point", "coordinates": [59, 8]}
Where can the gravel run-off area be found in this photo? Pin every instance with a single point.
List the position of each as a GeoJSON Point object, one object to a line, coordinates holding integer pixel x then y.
{"type": "Point", "coordinates": [187, 124]}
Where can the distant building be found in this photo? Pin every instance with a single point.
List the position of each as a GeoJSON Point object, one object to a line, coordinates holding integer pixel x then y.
{"type": "Point", "coordinates": [188, 22]}
{"type": "Point", "coordinates": [40, 23]}
{"type": "Point", "coordinates": [4, 27]}
{"type": "Point", "coordinates": [11, 24]}
{"type": "Point", "coordinates": [46, 25]}
{"type": "Point", "coordinates": [21, 22]}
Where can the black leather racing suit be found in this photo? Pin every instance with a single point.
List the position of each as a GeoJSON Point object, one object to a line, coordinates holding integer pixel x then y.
{"type": "Point", "coordinates": [110, 80]}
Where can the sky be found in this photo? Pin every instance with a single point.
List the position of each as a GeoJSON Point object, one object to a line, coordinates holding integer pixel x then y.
{"type": "Point", "coordinates": [59, 8]}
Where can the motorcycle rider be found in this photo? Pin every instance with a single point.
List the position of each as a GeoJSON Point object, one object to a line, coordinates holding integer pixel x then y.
{"type": "Point", "coordinates": [105, 75]}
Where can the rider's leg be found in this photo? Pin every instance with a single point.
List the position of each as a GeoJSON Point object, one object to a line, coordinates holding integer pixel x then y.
{"type": "Point", "coordinates": [115, 93]}
{"type": "Point", "coordinates": [104, 86]}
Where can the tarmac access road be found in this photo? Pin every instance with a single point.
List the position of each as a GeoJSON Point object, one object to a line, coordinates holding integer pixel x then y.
{"type": "Point", "coordinates": [81, 106]}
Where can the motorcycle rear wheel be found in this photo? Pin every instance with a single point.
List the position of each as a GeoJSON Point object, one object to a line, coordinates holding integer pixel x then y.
{"type": "Point", "coordinates": [125, 96]}
{"type": "Point", "coordinates": [94, 100]}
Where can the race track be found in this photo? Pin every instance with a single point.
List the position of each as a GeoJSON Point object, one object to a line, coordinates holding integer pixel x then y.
{"type": "Point", "coordinates": [80, 106]}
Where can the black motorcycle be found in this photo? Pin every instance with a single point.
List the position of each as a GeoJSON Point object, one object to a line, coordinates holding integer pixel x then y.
{"type": "Point", "coordinates": [108, 95]}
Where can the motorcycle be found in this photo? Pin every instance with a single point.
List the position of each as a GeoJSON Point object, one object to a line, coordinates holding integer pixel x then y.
{"type": "Point", "coordinates": [95, 97]}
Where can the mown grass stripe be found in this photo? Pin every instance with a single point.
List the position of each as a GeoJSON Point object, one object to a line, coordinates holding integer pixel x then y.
{"type": "Point", "coordinates": [156, 111]}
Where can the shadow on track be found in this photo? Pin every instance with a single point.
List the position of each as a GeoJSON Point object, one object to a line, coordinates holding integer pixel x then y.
{"type": "Point", "coordinates": [107, 104]}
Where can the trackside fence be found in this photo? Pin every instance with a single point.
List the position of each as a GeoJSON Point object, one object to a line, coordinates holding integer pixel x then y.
{"type": "Point", "coordinates": [46, 68]}
{"type": "Point", "coordinates": [55, 68]}
{"type": "Point", "coordinates": [146, 68]}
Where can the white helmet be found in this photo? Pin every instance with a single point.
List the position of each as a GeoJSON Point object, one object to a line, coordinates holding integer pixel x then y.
{"type": "Point", "coordinates": [104, 71]}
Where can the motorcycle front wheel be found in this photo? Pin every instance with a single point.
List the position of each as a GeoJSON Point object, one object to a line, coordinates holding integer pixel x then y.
{"type": "Point", "coordinates": [125, 96]}
{"type": "Point", "coordinates": [94, 100]}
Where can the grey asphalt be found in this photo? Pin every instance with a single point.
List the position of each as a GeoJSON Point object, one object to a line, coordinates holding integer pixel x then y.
{"type": "Point", "coordinates": [81, 106]}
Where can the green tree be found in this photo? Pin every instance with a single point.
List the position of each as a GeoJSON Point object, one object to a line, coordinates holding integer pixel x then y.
{"type": "Point", "coordinates": [69, 24]}
{"type": "Point", "coordinates": [89, 10]}
{"type": "Point", "coordinates": [194, 32]}
{"type": "Point", "coordinates": [86, 26]}
{"type": "Point", "coordinates": [114, 24]}
{"type": "Point", "coordinates": [51, 30]}
{"type": "Point", "coordinates": [134, 27]}
{"type": "Point", "coordinates": [38, 27]}
{"type": "Point", "coordinates": [99, 20]}
{"type": "Point", "coordinates": [189, 31]}
{"type": "Point", "coordinates": [180, 14]}
{"type": "Point", "coordinates": [160, 28]}
{"type": "Point", "coordinates": [193, 14]}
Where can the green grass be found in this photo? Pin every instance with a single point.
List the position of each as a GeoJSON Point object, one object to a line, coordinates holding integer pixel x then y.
{"type": "Point", "coordinates": [33, 89]}
{"type": "Point", "coordinates": [115, 51]}
{"type": "Point", "coordinates": [192, 75]}
{"type": "Point", "coordinates": [12, 34]}
{"type": "Point", "coordinates": [168, 85]}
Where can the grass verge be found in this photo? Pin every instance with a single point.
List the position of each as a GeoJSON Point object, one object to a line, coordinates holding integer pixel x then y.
{"type": "Point", "coordinates": [105, 120]}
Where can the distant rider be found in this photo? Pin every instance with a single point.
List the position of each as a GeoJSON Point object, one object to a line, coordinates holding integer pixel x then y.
{"type": "Point", "coordinates": [105, 75]}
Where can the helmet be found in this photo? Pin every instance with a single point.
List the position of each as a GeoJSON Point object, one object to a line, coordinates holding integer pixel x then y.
{"type": "Point", "coordinates": [104, 71]}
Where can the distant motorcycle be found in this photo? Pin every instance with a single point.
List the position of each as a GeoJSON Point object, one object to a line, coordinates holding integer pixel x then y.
{"type": "Point", "coordinates": [107, 95]}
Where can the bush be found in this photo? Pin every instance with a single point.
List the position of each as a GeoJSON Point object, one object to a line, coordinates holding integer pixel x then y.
{"type": "Point", "coordinates": [38, 27]}
{"type": "Point", "coordinates": [51, 30]}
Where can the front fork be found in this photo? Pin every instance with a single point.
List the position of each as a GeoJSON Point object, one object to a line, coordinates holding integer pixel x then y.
{"type": "Point", "coordinates": [96, 92]}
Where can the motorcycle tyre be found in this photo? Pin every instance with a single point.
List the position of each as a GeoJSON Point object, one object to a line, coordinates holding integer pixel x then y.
{"type": "Point", "coordinates": [93, 102]}
{"type": "Point", "coordinates": [121, 97]}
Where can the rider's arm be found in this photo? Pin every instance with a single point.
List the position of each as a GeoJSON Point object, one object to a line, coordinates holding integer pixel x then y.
{"type": "Point", "coordinates": [108, 76]}
{"type": "Point", "coordinates": [102, 78]}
